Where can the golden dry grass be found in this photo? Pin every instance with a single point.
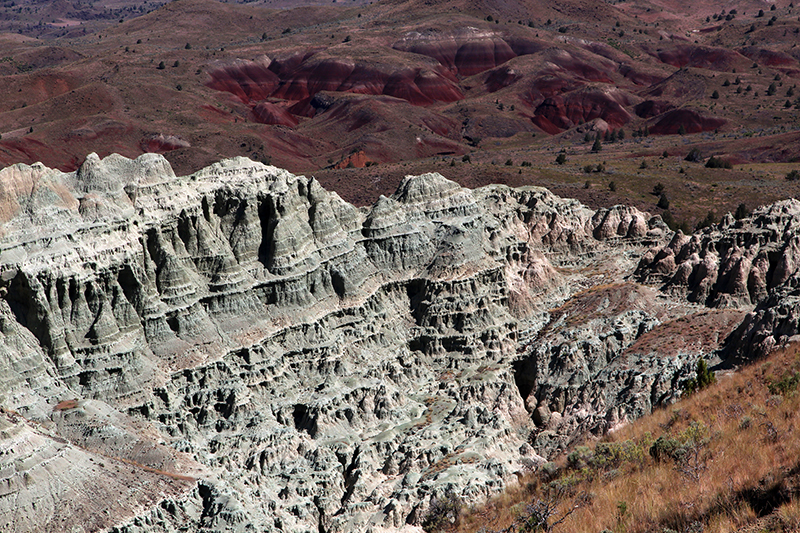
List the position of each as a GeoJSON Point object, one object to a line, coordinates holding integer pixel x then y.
{"type": "Point", "coordinates": [746, 476]}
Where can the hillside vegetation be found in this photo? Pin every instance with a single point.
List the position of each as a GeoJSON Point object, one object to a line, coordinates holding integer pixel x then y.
{"type": "Point", "coordinates": [726, 458]}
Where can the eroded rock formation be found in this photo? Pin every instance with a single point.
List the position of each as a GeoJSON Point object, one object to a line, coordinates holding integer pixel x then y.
{"type": "Point", "coordinates": [749, 264]}
{"type": "Point", "coordinates": [240, 349]}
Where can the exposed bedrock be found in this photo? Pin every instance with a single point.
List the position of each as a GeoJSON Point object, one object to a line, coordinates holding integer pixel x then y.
{"type": "Point", "coordinates": [303, 75]}
{"type": "Point", "coordinates": [584, 105]}
{"type": "Point", "coordinates": [750, 264]}
{"type": "Point", "coordinates": [671, 122]}
{"type": "Point", "coordinates": [269, 357]}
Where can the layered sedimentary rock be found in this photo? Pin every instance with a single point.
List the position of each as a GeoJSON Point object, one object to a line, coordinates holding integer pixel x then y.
{"type": "Point", "coordinates": [749, 264]}
{"type": "Point", "coordinates": [268, 357]}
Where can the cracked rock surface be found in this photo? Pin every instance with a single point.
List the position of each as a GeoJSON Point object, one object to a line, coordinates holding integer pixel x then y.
{"type": "Point", "coordinates": [241, 350]}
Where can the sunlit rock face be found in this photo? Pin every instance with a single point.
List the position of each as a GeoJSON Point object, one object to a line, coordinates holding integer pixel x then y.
{"type": "Point", "coordinates": [240, 349]}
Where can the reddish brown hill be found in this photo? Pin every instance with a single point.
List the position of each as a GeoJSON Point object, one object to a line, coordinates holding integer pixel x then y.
{"type": "Point", "coordinates": [689, 119]}
{"type": "Point", "coordinates": [269, 113]}
{"type": "Point", "coordinates": [247, 80]}
{"type": "Point", "coordinates": [398, 80]}
{"type": "Point", "coordinates": [384, 128]}
{"type": "Point", "coordinates": [692, 55]}
{"type": "Point", "coordinates": [316, 72]}
{"type": "Point", "coordinates": [585, 105]}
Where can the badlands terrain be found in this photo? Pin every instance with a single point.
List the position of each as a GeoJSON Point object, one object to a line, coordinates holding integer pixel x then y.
{"type": "Point", "coordinates": [240, 349]}
{"type": "Point", "coordinates": [326, 266]}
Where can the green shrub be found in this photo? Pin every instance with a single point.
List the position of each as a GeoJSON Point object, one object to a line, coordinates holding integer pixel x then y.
{"type": "Point", "coordinates": [710, 219]}
{"type": "Point", "coordinates": [787, 385]}
{"type": "Point", "coordinates": [664, 448]}
{"type": "Point", "coordinates": [443, 513]}
{"type": "Point", "coordinates": [658, 189]}
{"type": "Point", "coordinates": [694, 155]}
{"type": "Point", "coordinates": [703, 377]}
{"type": "Point", "coordinates": [561, 158]}
{"type": "Point", "coordinates": [793, 175]}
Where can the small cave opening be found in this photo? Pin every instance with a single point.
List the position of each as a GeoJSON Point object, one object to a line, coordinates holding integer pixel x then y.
{"type": "Point", "coordinates": [525, 376]}
{"type": "Point", "coordinates": [174, 325]}
{"type": "Point", "coordinates": [303, 421]}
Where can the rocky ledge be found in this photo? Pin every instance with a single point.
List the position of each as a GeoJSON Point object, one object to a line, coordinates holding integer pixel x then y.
{"type": "Point", "coordinates": [241, 350]}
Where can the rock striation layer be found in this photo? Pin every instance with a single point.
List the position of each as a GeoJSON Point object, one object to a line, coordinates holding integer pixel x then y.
{"type": "Point", "coordinates": [268, 357]}
{"type": "Point", "coordinates": [749, 264]}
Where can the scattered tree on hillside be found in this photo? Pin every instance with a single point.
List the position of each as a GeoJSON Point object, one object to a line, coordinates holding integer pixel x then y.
{"type": "Point", "coordinates": [793, 175]}
{"type": "Point", "coordinates": [561, 158]}
{"type": "Point", "coordinates": [658, 189]}
{"type": "Point", "coordinates": [715, 95]}
{"type": "Point", "coordinates": [597, 146]}
{"type": "Point", "coordinates": [711, 218]}
{"type": "Point", "coordinates": [694, 155]}
{"type": "Point", "coordinates": [772, 89]}
{"type": "Point", "coordinates": [703, 378]}
{"type": "Point", "coordinates": [161, 66]}
{"type": "Point", "coordinates": [663, 202]}
{"type": "Point", "coordinates": [741, 212]}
